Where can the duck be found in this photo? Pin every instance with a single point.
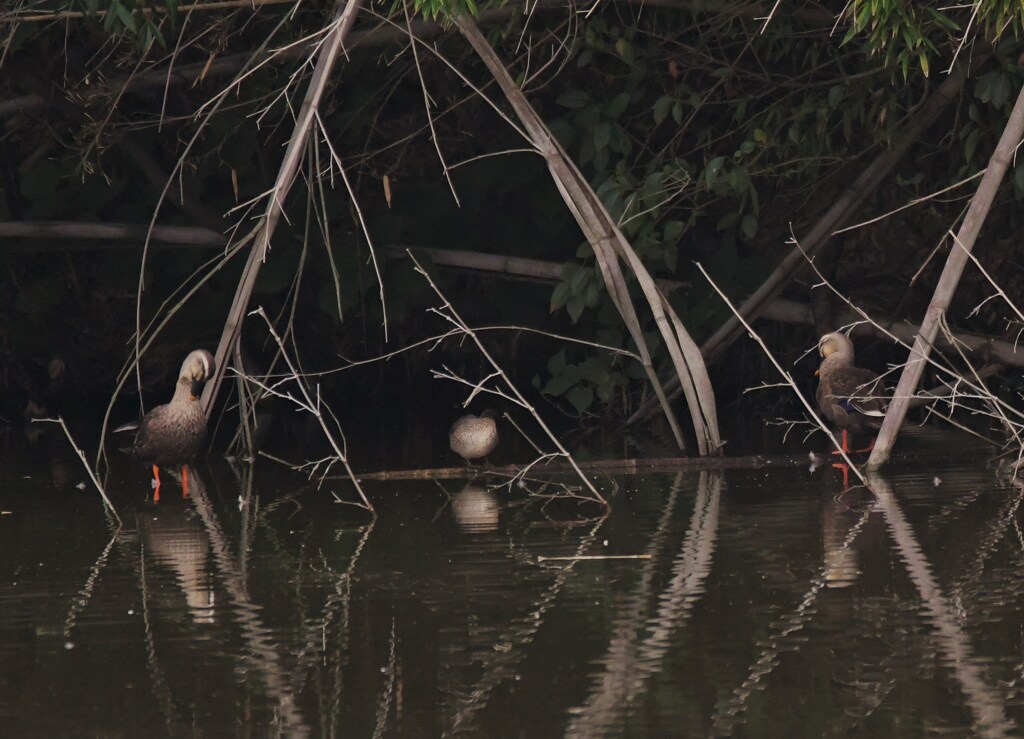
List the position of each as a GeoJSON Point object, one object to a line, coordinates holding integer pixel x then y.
{"type": "Point", "coordinates": [171, 434]}
{"type": "Point", "coordinates": [851, 397]}
{"type": "Point", "coordinates": [473, 437]}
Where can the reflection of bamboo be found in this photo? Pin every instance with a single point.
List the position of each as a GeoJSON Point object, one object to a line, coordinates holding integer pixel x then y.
{"type": "Point", "coordinates": [985, 703]}
{"type": "Point", "coordinates": [631, 660]}
{"type": "Point", "coordinates": [510, 646]}
{"type": "Point", "coordinates": [840, 560]}
{"type": "Point", "coordinates": [260, 651]}
{"type": "Point", "coordinates": [80, 601]}
{"type": "Point", "coordinates": [159, 687]}
{"type": "Point", "coordinates": [988, 542]}
{"type": "Point", "coordinates": [729, 713]}
{"type": "Point", "coordinates": [340, 601]}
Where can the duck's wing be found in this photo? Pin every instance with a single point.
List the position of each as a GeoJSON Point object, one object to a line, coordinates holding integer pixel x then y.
{"type": "Point", "coordinates": [143, 447]}
{"type": "Point", "coordinates": [858, 390]}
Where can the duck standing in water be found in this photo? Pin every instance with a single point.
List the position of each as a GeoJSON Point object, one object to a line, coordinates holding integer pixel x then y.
{"type": "Point", "coordinates": [171, 434]}
{"type": "Point", "coordinates": [473, 437]}
{"type": "Point", "coordinates": [851, 397]}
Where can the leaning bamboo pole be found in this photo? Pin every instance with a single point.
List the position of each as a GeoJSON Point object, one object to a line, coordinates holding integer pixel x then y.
{"type": "Point", "coordinates": [834, 217]}
{"type": "Point", "coordinates": [946, 287]}
{"type": "Point", "coordinates": [345, 14]}
{"type": "Point", "coordinates": [609, 247]}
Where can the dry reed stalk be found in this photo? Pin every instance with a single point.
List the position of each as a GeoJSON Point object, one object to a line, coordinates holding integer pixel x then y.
{"type": "Point", "coordinates": [315, 407]}
{"type": "Point", "coordinates": [330, 48]}
{"type": "Point", "coordinates": [609, 245]}
{"type": "Point", "coordinates": [946, 287]}
{"type": "Point", "coordinates": [452, 315]}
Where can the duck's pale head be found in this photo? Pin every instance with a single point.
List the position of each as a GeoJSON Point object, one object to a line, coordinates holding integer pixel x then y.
{"type": "Point", "coordinates": [196, 370]}
{"type": "Point", "coordinates": [835, 343]}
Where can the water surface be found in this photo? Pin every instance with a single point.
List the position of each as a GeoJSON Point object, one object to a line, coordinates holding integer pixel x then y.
{"type": "Point", "coordinates": [753, 602]}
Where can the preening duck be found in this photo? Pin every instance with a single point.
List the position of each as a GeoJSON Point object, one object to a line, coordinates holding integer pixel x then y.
{"type": "Point", "coordinates": [849, 396]}
{"type": "Point", "coordinates": [171, 434]}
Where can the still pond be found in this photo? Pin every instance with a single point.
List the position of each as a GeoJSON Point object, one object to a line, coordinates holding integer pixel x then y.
{"type": "Point", "coordinates": [739, 602]}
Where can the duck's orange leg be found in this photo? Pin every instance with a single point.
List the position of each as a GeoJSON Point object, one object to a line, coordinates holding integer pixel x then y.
{"type": "Point", "coordinates": [184, 481]}
{"type": "Point", "coordinates": [156, 487]}
{"type": "Point", "coordinates": [846, 444]}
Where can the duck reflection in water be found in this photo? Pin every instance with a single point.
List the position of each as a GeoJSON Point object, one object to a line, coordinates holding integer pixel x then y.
{"type": "Point", "coordinates": [475, 509]}
{"type": "Point", "coordinates": [176, 538]}
{"type": "Point", "coordinates": [171, 434]}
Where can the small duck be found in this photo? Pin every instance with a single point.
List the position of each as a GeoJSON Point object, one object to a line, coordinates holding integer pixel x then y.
{"type": "Point", "coordinates": [171, 434]}
{"type": "Point", "coordinates": [851, 397]}
{"type": "Point", "coordinates": [473, 437]}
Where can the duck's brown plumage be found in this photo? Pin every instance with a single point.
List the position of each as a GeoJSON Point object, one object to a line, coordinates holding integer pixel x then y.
{"type": "Point", "coordinates": [171, 434]}
{"type": "Point", "coordinates": [851, 397]}
{"type": "Point", "coordinates": [473, 437]}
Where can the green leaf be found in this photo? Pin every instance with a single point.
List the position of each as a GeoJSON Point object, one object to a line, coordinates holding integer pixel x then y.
{"type": "Point", "coordinates": [559, 296]}
{"type": "Point", "coordinates": [567, 378]}
{"type": "Point", "coordinates": [581, 398]}
{"type": "Point", "coordinates": [602, 135]}
{"type": "Point", "coordinates": [727, 221]}
{"type": "Point", "coordinates": [712, 170]}
{"type": "Point", "coordinates": [835, 96]}
{"type": "Point", "coordinates": [577, 279]}
{"type": "Point", "coordinates": [661, 108]}
{"type": "Point", "coordinates": [594, 369]}
{"type": "Point", "coordinates": [971, 145]}
{"type": "Point", "coordinates": [618, 105]}
{"type": "Point", "coordinates": [673, 230]}
{"type": "Point", "coordinates": [749, 226]}
{"type": "Point", "coordinates": [739, 180]}
{"type": "Point", "coordinates": [575, 306]}
{"type": "Point", "coordinates": [124, 15]}
{"type": "Point", "coordinates": [557, 362]}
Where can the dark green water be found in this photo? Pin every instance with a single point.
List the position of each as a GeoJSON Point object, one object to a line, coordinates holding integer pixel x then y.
{"type": "Point", "coordinates": [763, 604]}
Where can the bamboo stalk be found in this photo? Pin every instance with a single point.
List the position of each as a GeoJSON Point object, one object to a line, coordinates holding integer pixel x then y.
{"type": "Point", "coordinates": [609, 245]}
{"type": "Point", "coordinates": [108, 231]}
{"type": "Point", "coordinates": [345, 14]}
{"type": "Point", "coordinates": [946, 287]}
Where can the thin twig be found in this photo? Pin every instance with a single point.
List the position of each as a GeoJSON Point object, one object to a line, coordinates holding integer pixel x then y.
{"type": "Point", "coordinates": [88, 469]}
